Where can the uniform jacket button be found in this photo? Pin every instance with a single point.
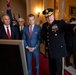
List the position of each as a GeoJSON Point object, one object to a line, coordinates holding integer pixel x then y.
{"type": "Point", "coordinates": [61, 46]}
{"type": "Point", "coordinates": [48, 43]}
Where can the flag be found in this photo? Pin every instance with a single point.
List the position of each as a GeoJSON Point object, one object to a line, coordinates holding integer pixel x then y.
{"type": "Point", "coordinates": [9, 11]}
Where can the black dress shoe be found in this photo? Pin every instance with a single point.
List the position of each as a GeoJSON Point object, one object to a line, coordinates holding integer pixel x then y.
{"type": "Point", "coordinates": [67, 65]}
{"type": "Point", "coordinates": [70, 64]}
{"type": "Point", "coordinates": [75, 67]}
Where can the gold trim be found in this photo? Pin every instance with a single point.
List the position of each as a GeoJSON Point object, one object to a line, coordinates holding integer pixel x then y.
{"type": "Point", "coordinates": [49, 14]}
{"type": "Point", "coordinates": [74, 29]}
{"type": "Point", "coordinates": [46, 11]}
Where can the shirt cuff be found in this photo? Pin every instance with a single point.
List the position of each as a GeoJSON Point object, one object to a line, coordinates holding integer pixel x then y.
{"type": "Point", "coordinates": [26, 46]}
{"type": "Point", "coordinates": [35, 47]}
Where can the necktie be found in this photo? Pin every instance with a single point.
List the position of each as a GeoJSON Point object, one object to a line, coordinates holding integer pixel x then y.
{"type": "Point", "coordinates": [8, 33]}
{"type": "Point", "coordinates": [30, 30]}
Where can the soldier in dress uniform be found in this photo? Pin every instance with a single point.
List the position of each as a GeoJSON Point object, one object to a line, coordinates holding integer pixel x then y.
{"type": "Point", "coordinates": [56, 42]}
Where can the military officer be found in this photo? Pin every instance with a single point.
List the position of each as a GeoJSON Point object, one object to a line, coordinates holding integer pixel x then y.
{"type": "Point", "coordinates": [57, 47]}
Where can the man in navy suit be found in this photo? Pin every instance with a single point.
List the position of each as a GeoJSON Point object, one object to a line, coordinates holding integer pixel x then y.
{"type": "Point", "coordinates": [31, 37]}
{"type": "Point", "coordinates": [3, 29]}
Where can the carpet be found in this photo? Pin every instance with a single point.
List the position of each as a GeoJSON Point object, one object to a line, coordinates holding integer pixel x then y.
{"type": "Point", "coordinates": [44, 67]}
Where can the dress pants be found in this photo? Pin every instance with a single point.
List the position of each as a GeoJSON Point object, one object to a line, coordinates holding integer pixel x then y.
{"type": "Point", "coordinates": [36, 55]}
{"type": "Point", "coordinates": [55, 66]}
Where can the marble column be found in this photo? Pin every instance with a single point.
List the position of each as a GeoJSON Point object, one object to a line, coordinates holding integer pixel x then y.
{"type": "Point", "coordinates": [62, 9]}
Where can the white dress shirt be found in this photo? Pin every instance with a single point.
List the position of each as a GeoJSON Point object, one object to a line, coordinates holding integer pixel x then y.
{"type": "Point", "coordinates": [5, 26]}
{"type": "Point", "coordinates": [21, 27]}
{"type": "Point", "coordinates": [32, 30]}
{"type": "Point", "coordinates": [32, 27]}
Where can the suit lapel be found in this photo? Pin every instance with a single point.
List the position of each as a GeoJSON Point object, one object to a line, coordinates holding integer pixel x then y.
{"type": "Point", "coordinates": [28, 31]}
{"type": "Point", "coordinates": [4, 32]}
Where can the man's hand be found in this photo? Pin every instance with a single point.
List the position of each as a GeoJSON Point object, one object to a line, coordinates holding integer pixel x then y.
{"type": "Point", "coordinates": [31, 49]}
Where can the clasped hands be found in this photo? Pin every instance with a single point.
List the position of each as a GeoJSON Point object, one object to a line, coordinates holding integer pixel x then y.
{"type": "Point", "coordinates": [31, 49]}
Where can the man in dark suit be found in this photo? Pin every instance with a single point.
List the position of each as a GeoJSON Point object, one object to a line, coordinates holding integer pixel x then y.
{"type": "Point", "coordinates": [56, 42]}
{"type": "Point", "coordinates": [7, 31]}
{"type": "Point", "coordinates": [21, 25]}
{"type": "Point", "coordinates": [69, 43]}
{"type": "Point", "coordinates": [0, 22]}
{"type": "Point", "coordinates": [13, 34]}
{"type": "Point", "coordinates": [31, 37]}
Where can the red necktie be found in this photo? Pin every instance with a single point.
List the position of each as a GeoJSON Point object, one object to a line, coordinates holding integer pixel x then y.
{"type": "Point", "coordinates": [30, 30]}
{"type": "Point", "coordinates": [8, 33]}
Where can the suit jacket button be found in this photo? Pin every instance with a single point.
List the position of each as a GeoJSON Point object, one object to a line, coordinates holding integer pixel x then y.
{"type": "Point", "coordinates": [47, 40]}
{"type": "Point", "coordinates": [47, 32]}
{"type": "Point", "coordinates": [47, 36]}
{"type": "Point", "coordinates": [55, 34]}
